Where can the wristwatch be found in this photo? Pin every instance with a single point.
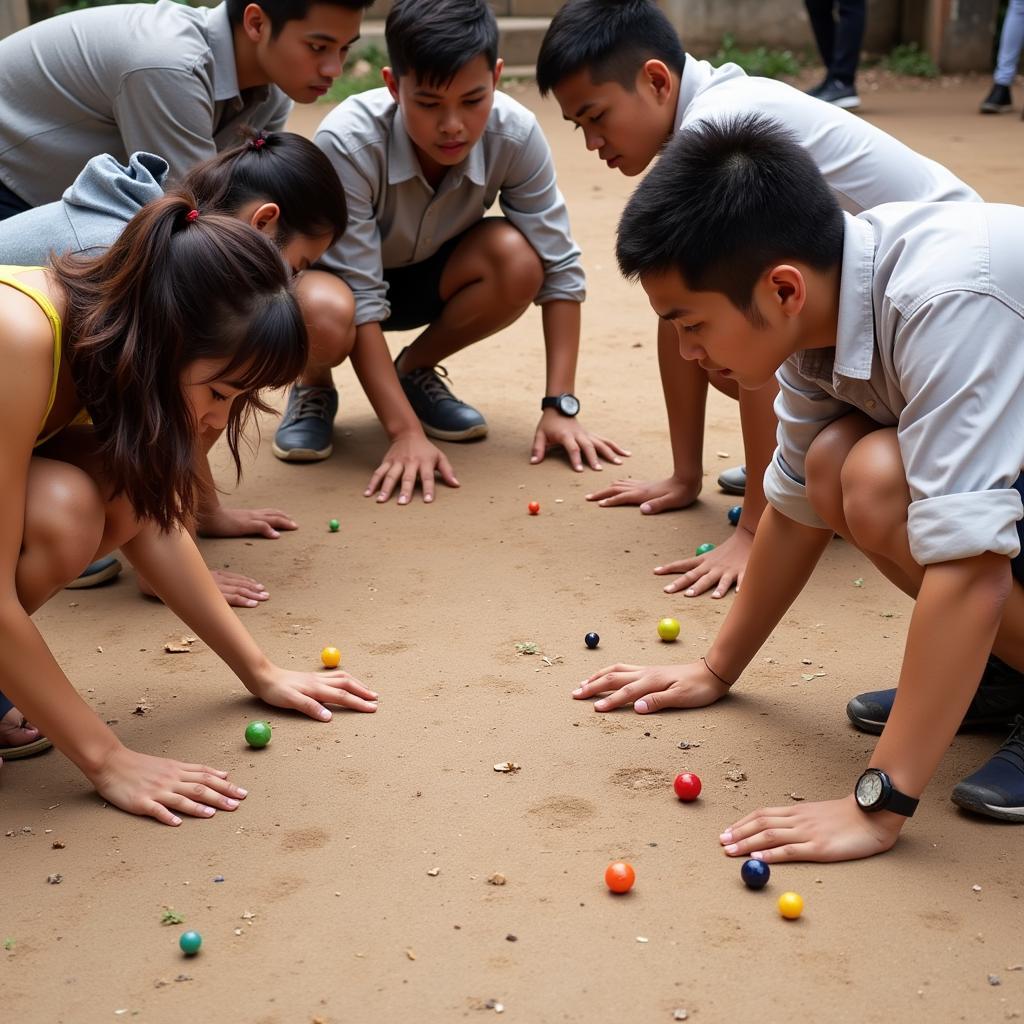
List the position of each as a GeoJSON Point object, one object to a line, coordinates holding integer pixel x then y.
{"type": "Point", "coordinates": [875, 792]}
{"type": "Point", "coordinates": [566, 404]}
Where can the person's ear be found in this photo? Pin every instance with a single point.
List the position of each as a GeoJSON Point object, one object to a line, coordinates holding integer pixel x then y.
{"type": "Point", "coordinates": [265, 218]}
{"type": "Point", "coordinates": [499, 66]}
{"type": "Point", "coordinates": [255, 23]}
{"type": "Point", "coordinates": [656, 76]}
{"type": "Point", "coordinates": [391, 81]}
{"type": "Point", "coordinates": [787, 289]}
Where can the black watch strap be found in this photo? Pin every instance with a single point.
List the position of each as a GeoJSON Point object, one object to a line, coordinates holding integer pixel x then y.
{"type": "Point", "coordinates": [900, 803]}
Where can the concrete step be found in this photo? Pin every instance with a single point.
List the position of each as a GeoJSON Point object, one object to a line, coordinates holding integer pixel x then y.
{"type": "Point", "coordinates": [520, 41]}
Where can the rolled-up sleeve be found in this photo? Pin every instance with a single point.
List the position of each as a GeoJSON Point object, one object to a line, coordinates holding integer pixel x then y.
{"type": "Point", "coordinates": [961, 435]}
{"type": "Point", "coordinates": [531, 200]}
{"type": "Point", "coordinates": [356, 256]}
{"type": "Point", "coordinates": [803, 410]}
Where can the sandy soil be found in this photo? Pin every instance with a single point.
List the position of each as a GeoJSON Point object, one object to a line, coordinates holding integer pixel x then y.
{"type": "Point", "coordinates": [330, 908]}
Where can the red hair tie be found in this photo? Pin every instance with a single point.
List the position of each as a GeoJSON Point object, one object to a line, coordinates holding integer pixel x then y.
{"type": "Point", "coordinates": [258, 143]}
{"type": "Point", "coordinates": [192, 216]}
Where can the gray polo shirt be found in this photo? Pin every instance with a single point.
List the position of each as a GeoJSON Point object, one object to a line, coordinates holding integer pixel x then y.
{"type": "Point", "coordinates": [396, 218]}
{"type": "Point", "coordinates": [930, 341]}
{"type": "Point", "coordinates": [119, 79]}
{"type": "Point", "coordinates": [863, 165]}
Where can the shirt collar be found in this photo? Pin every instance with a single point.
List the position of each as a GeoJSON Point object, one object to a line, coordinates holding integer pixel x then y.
{"type": "Point", "coordinates": [404, 165]}
{"type": "Point", "coordinates": [694, 77]}
{"type": "Point", "coordinates": [225, 69]}
{"type": "Point", "coordinates": [855, 331]}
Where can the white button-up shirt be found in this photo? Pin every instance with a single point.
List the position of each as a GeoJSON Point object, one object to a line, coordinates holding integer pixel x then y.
{"type": "Point", "coordinates": [930, 341]}
{"type": "Point", "coordinates": [396, 218]}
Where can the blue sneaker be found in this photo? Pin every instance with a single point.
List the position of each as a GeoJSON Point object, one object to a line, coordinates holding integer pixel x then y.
{"type": "Point", "coordinates": [733, 481]}
{"type": "Point", "coordinates": [996, 789]}
{"type": "Point", "coordinates": [306, 432]}
{"type": "Point", "coordinates": [100, 571]}
{"type": "Point", "coordinates": [443, 416]}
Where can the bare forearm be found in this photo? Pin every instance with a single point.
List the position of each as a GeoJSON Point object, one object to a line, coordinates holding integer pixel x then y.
{"type": "Point", "coordinates": [955, 619]}
{"type": "Point", "coordinates": [372, 364]}
{"type": "Point", "coordinates": [782, 558]}
{"type": "Point", "coordinates": [561, 320]}
{"type": "Point", "coordinates": [685, 386]}
{"type": "Point", "coordinates": [172, 565]}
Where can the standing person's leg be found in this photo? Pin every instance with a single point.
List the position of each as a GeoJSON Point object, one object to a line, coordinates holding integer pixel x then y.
{"type": "Point", "coordinates": [1011, 40]}
{"type": "Point", "coordinates": [848, 40]}
{"type": "Point", "coordinates": [823, 25]}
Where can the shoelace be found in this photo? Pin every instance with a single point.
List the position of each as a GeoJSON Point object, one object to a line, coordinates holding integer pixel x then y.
{"type": "Point", "coordinates": [310, 403]}
{"type": "Point", "coordinates": [428, 380]}
{"type": "Point", "coordinates": [1013, 748]}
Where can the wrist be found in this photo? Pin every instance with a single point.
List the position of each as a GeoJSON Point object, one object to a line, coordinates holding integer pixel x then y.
{"type": "Point", "coordinates": [726, 681]}
{"type": "Point", "coordinates": [97, 752]}
{"type": "Point", "coordinates": [254, 678]}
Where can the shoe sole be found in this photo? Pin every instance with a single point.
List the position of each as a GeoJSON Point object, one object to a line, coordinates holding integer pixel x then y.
{"type": "Point", "coordinates": [469, 434]}
{"type": "Point", "coordinates": [847, 103]}
{"type": "Point", "coordinates": [302, 454]}
{"type": "Point", "coordinates": [26, 750]}
{"type": "Point", "coordinates": [727, 488]}
{"type": "Point", "coordinates": [874, 727]}
{"type": "Point", "coordinates": [96, 578]}
{"type": "Point", "coordinates": [988, 810]}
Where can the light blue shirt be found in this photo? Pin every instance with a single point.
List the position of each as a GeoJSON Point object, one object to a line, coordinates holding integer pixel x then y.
{"type": "Point", "coordinates": [396, 218]}
{"type": "Point", "coordinates": [931, 342]}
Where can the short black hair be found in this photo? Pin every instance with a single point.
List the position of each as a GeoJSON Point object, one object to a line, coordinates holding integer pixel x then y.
{"type": "Point", "coordinates": [725, 201]}
{"type": "Point", "coordinates": [612, 39]}
{"type": "Point", "coordinates": [280, 12]}
{"type": "Point", "coordinates": [436, 39]}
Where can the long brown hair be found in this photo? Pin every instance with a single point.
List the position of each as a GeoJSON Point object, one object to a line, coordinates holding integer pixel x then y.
{"type": "Point", "coordinates": [177, 286]}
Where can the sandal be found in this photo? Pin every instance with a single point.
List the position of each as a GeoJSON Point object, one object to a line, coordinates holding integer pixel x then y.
{"type": "Point", "coordinates": [12, 753]}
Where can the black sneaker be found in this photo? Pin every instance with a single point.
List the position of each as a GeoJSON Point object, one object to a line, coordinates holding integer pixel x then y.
{"type": "Point", "coordinates": [818, 89]}
{"type": "Point", "coordinates": [306, 432]}
{"type": "Point", "coordinates": [996, 789]}
{"type": "Point", "coordinates": [839, 94]}
{"type": "Point", "coordinates": [443, 416]}
{"type": "Point", "coordinates": [999, 698]}
{"type": "Point", "coordinates": [997, 100]}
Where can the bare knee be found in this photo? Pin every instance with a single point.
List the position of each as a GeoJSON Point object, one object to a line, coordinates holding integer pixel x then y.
{"type": "Point", "coordinates": [63, 522]}
{"type": "Point", "coordinates": [515, 263]}
{"type": "Point", "coordinates": [875, 494]}
{"type": "Point", "coordinates": [824, 463]}
{"type": "Point", "coordinates": [328, 308]}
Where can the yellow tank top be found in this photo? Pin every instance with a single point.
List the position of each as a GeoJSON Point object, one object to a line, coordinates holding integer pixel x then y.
{"type": "Point", "coordinates": [9, 276]}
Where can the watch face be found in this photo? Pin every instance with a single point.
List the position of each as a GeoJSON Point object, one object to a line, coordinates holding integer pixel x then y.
{"type": "Point", "coordinates": [568, 404]}
{"type": "Point", "coordinates": [869, 789]}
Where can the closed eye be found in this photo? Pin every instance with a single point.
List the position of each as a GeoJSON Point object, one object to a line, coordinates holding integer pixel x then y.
{"type": "Point", "coordinates": [217, 396]}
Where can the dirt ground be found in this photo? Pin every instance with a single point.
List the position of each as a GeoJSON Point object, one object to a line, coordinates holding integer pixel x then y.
{"type": "Point", "coordinates": [355, 876]}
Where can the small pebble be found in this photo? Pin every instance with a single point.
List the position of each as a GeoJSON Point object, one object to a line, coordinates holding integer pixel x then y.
{"type": "Point", "coordinates": [54, 879]}
{"type": "Point", "coordinates": [975, 888]}
{"type": "Point", "coordinates": [993, 979]}
{"type": "Point", "coordinates": [511, 938]}
{"type": "Point", "coordinates": [434, 872]}
{"type": "Point", "coordinates": [218, 878]}
{"type": "Point", "coordinates": [679, 1015]}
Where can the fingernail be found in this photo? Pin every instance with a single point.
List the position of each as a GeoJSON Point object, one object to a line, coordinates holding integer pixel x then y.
{"type": "Point", "coordinates": [726, 836]}
{"type": "Point", "coordinates": [325, 715]}
{"type": "Point", "coordinates": [175, 821]}
{"type": "Point", "coordinates": [588, 496]}
{"type": "Point", "coordinates": [618, 462]}
{"type": "Point", "coordinates": [230, 803]}
{"type": "Point", "coordinates": [429, 498]}
{"type": "Point", "coordinates": [641, 706]}
{"type": "Point", "coordinates": [577, 691]}
{"type": "Point", "coordinates": [243, 792]}
{"type": "Point", "coordinates": [274, 534]}
{"type": "Point", "coordinates": [209, 811]}
{"type": "Point", "coordinates": [645, 507]}
{"type": "Point", "coordinates": [691, 592]}
{"type": "Point", "coordinates": [600, 705]}
{"type": "Point", "coordinates": [658, 568]}
{"type": "Point", "coordinates": [731, 848]}
{"type": "Point", "coordinates": [367, 493]}
{"type": "Point", "coordinates": [250, 604]}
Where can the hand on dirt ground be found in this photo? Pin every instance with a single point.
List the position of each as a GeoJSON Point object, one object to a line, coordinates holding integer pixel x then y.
{"type": "Point", "coordinates": [308, 692]}
{"type": "Point", "coordinates": [244, 522]}
{"type": "Point", "coordinates": [653, 496]}
{"type": "Point", "coordinates": [828, 830]}
{"type": "Point", "coordinates": [556, 430]}
{"type": "Point", "coordinates": [652, 688]}
{"type": "Point", "coordinates": [410, 458]}
{"type": "Point", "coordinates": [721, 569]}
{"type": "Point", "coordinates": [239, 591]}
{"type": "Point", "coordinates": [160, 788]}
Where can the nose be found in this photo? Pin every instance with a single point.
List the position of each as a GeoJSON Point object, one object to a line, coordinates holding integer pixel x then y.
{"type": "Point", "coordinates": [333, 66]}
{"type": "Point", "coordinates": [593, 139]}
{"type": "Point", "coordinates": [690, 350]}
{"type": "Point", "coordinates": [450, 123]}
{"type": "Point", "coordinates": [217, 418]}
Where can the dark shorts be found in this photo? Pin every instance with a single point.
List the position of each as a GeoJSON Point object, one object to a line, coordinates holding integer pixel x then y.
{"type": "Point", "coordinates": [1017, 564]}
{"type": "Point", "coordinates": [414, 291]}
{"type": "Point", "coordinates": [11, 204]}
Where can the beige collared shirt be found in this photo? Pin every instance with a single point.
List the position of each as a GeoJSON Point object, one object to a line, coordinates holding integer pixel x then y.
{"type": "Point", "coordinates": [930, 341]}
{"type": "Point", "coordinates": [396, 218]}
{"type": "Point", "coordinates": [116, 80]}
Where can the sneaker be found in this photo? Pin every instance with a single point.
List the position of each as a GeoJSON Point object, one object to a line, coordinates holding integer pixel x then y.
{"type": "Point", "coordinates": [306, 433]}
{"type": "Point", "coordinates": [996, 789]}
{"type": "Point", "coordinates": [734, 481]}
{"type": "Point", "coordinates": [818, 89]}
{"type": "Point", "coordinates": [839, 94]}
{"type": "Point", "coordinates": [100, 571]}
{"type": "Point", "coordinates": [999, 698]}
{"type": "Point", "coordinates": [443, 416]}
{"type": "Point", "coordinates": [997, 100]}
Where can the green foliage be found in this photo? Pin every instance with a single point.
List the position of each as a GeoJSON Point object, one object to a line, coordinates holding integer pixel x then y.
{"type": "Point", "coordinates": [907, 59]}
{"type": "Point", "coordinates": [761, 61]}
{"type": "Point", "coordinates": [170, 916]}
{"type": "Point", "coordinates": [361, 74]}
